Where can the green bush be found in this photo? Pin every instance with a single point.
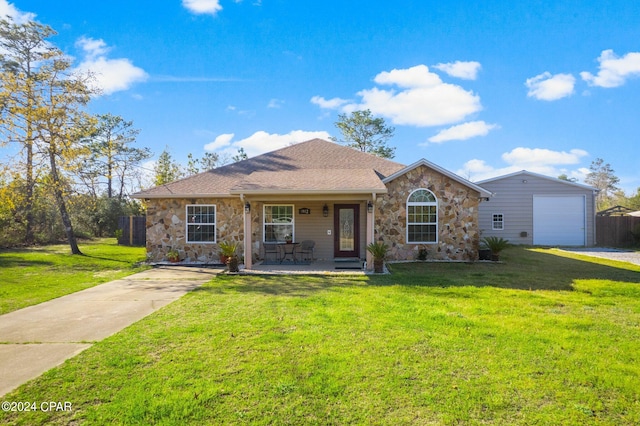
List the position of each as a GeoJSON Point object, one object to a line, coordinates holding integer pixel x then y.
{"type": "Point", "coordinates": [378, 249]}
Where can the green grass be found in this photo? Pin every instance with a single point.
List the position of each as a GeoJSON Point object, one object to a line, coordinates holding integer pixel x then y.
{"type": "Point", "coordinates": [34, 275]}
{"type": "Point", "coordinates": [540, 339]}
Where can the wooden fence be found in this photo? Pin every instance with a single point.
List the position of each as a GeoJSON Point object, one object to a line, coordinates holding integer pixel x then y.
{"type": "Point", "coordinates": [615, 231]}
{"type": "Point", "coordinates": [134, 230]}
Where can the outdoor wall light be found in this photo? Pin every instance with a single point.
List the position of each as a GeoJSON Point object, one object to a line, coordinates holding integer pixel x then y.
{"type": "Point", "coordinates": [325, 210]}
{"type": "Point", "coordinates": [247, 207]}
{"type": "Point", "coordinates": [369, 206]}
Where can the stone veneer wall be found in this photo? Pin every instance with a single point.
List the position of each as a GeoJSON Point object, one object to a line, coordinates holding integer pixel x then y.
{"type": "Point", "coordinates": [458, 230]}
{"type": "Point", "coordinates": [166, 228]}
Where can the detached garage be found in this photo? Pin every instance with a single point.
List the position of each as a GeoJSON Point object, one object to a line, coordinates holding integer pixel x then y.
{"type": "Point", "coordinates": [533, 209]}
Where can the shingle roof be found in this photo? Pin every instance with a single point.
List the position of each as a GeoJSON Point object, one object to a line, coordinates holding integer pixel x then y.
{"type": "Point", "coordinates": [312, 180]}
{"type": "Point", "coordinates": [315, 165]}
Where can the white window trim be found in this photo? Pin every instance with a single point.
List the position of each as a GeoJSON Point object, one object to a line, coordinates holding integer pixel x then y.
{"type": "Point", "coordinates": [493, 222]}
{"type": "Point", "coordinates": [422, 223]}
{"type": "Point", "coordinates": [293, 219]}
{"type": "Point", "coordinates": [215, 212]}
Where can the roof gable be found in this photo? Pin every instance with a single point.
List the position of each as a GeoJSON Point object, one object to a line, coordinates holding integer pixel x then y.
{"type": "Point", "coordinates": [422, 162]}
{"type": "Point", "coordinates": [537, 175]}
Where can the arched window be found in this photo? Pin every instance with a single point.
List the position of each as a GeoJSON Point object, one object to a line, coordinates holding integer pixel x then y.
{"type": "Point", "coordinates": [422, 217]}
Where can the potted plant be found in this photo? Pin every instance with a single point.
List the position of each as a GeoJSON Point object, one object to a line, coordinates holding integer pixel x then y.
{"type": "Point", "coordinates": [228, 254]}
{"type": "Point", "coordinates": [423, 253]}
{"type": "Point", "coordinates": [288, 239]}
{"type": "Point", "coordinates": [233, 263]}
{"type": "Point", "coordinates": [379, 251]}
{"type": "Point", "coordinates": [173, 256]}
{"type": "Point", "coordinates": [496, 245]}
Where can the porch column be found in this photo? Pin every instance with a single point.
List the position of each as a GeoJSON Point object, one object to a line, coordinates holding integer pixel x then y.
{"type": "Point", "coordinates": [370, 231]}
{"type": "Point", "coordinates": [248, 256]}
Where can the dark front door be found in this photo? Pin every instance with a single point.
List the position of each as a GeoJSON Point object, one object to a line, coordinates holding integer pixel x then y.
{"type": "Point", "coordinates": [346, 225]}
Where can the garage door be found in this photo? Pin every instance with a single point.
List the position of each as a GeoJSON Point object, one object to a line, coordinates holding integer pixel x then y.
{"type": "Point", "coordinates": [559, 221]}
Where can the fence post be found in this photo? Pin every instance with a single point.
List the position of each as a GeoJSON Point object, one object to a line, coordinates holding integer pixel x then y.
{"type": "Point", "coordinates": [130, 230]}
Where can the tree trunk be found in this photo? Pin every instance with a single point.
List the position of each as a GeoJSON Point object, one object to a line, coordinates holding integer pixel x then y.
{"type": "Point", "coordinates": [28, 205]}
{"type": "Point", "coordinates": [62, 206]}
{"type": "Point", "coordinates": [378, 266]}
{"type": "Point", "coordinates": [109, 180]}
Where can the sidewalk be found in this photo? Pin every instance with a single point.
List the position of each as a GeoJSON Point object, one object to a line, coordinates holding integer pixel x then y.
{"type": "Point", "coordinates": [37, 338]}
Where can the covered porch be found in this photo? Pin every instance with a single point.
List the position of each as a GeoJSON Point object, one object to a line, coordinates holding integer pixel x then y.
{"type": "Point", "coordinates": [317, 267]}
{"type": "Point", "coordinates": [279, 230]}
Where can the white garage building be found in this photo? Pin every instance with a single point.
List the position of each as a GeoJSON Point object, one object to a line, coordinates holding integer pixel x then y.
{"type": "Point", "coordinates": [533, 209]}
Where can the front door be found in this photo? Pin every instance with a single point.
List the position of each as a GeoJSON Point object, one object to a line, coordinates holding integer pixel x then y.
{"type": "Point", "coordinates": [346, 225]}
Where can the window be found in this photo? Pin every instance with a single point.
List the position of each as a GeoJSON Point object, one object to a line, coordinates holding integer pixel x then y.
{"type": "Point", "coordinates": [422, 217]}
{"type": "Point", "coordinates": [497, 222]}
{"type": "Point", "coordinates": [278, 223]}
{"type": "Point", "coordinates": [201, 223]}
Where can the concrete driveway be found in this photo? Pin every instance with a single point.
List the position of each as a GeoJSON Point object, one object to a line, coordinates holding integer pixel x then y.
{"type": "Point", "coordinates": [37, 338]}
{"type": "Point", "coordinates": [631, 256]}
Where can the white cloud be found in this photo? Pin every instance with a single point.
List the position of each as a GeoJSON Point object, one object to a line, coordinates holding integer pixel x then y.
{"type": "Point", "coordinates": [328, 103]}
{"type": "Point", "coordinates": [111, 75]}
{"type": "Point", "coordinates": [580, 173]}
{"type": "Point", "coordinates": [460, 69]}
{"type": "Point", "coordinates": [18, 16]}
{"type": "Point", "coordinates": [93, 48]}
{"type": "Point", "coordinates": [414, 77]}
{"type": "Point", "coordinates": [614, 71]}
{"type": "Point", "coordinates": [476, 169]}
{"type": "Point", "coordinates": [463, 131]}
{"type": "Point", "coordinates": [436, 106]}
{"type": "Point", "coordinates": [261, 141]}
{"type": "Point", "coordinates": [537, 160]}
{"type": "Point", "coordinates": [535, 156]}
{"type": "Point", "coordinates": [201, 7]}
{"type": "Point", "coordinates": [425, 100]}
{"type": "Point", "coordinates": [547, 87]}
{"type": "Point", "coordinates": [219, 142]}
{"type": "Point", "coordinates": [275, 103]}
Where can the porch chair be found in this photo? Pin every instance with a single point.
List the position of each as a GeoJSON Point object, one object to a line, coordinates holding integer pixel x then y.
{"type": "Point", "coordinates": [306, 248]}
{"type": "Point", "coordinates": [271, 249]}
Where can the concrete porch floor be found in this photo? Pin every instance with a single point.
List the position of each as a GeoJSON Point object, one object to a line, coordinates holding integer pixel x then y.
{"type": "Point", "coordinates": [322, 267]}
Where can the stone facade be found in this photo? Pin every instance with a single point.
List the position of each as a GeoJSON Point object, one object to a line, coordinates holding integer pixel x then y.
{"type": "Point", "coordinates": [458, 231]}
{"type": "Point", "coordinates": [166, 228]}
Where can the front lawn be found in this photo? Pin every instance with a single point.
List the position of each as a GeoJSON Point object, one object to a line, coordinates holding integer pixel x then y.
{"type": "Point", "coordinates": [34, 275]}
{"type": "Point", "coordinates": [540, 339]}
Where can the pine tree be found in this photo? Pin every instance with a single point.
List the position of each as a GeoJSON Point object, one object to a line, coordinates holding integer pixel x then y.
{"type": "Point", "coordinates": [602, 177]}
{"type": "Point", "coordinates": [363, 132]}
{"type": "Point", "coordinates": [166, 169]}
{"type": "Point", "coordinates": [42, 108]}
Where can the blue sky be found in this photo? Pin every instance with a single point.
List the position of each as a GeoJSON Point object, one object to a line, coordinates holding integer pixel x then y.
{"type": "Point", "coordinates": [480, 88]}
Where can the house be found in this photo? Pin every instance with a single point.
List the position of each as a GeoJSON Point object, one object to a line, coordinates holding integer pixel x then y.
{"type": "Point", "coordinates": [533, 209]}
{"type": "Point", "coordinates": [339, 197]}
